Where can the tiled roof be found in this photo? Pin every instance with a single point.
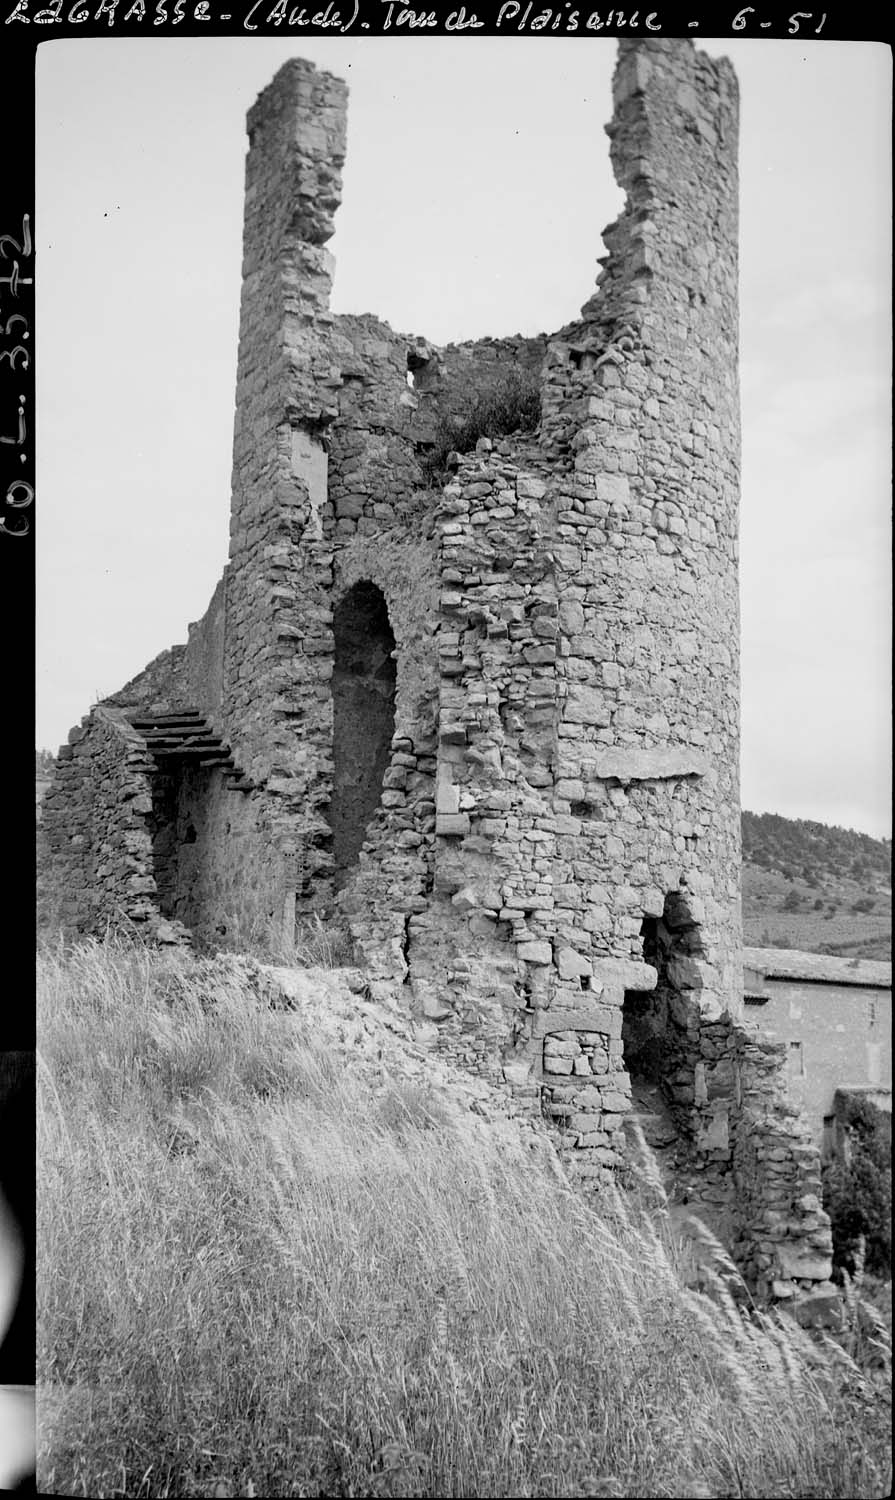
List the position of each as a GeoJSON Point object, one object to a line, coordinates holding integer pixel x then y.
{"type": "Point", "coordinates": [823, 968]}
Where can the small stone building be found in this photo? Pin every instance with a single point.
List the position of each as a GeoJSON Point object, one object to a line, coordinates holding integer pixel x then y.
{"type": "Point", "coordinates": [834, 1016]}
{"type": "Point", "coordinates": [483, 705]}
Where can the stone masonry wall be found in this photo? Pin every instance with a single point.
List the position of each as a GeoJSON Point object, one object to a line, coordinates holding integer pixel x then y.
{"type": "Point", "coordinates": [203, 657]}
{"type": "Point", "coordinates": [784, 1242]}
{"type": "Point", "coordinates": [95, 828]}
{"type": "Point", "coordinates": [159, 687]}
{"type": "Point", "coordinates": [491, 857]}
{"type": "Point", "coordinates": [276, 710]}
{"type": "Point", "coordinates": [647, 522]}
{"type": "Point", "coordinates": [588, 714]}
{"type": "Point", "coordinates": [223, 855]}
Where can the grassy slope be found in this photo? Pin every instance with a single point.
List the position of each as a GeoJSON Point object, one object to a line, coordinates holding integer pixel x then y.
{"type": "Point", "coordinates": [275, 1260]}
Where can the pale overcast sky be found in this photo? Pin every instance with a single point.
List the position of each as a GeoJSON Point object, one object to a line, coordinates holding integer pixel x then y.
{"type": "Point", "coordinates": [475, 190]}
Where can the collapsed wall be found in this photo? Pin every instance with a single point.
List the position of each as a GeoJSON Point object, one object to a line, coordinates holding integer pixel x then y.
{"type": "Point", "coordinates": [482, 707]}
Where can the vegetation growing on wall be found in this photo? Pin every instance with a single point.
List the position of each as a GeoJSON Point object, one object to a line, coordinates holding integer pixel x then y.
{"type": "Point", "coordinates": [511, 403]}
{"type": "Point", "coordinates": [857, 1188]}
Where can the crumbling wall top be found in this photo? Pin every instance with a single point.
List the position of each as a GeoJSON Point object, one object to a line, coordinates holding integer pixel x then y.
{"type": "Point", "coordinates": [297, 134]}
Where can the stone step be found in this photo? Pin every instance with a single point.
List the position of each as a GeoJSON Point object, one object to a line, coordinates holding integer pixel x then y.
{"type": "Point", "coordinates": [167, 721]}
{"type": "Point", "coordinates": [193, 748]}
{"type": "Point", "coordinates": [196, 732]}
{"type": "Point", "coordinates": [658, 1129]}
{"type": "Point", "coordinates": [236, 782]}
{"type": "Point", "coordinates": [182, 726]}
{"type": "Point", "coordinates": [158, 743]}
{"type": "Point", "coordinates": [173, 726]}
{"type": "Point", "coordinates": [188, 736]}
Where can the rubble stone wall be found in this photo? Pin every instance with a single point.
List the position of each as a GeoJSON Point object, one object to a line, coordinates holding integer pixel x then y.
{"type": "Point", "coordinates": [213, 863]}
{"type": "Point", "coordinates": [203, 658]}
{"type": "Point", "coordinates": [784, 1243]}
{"type": "Point", "coordinates": [95, 828]}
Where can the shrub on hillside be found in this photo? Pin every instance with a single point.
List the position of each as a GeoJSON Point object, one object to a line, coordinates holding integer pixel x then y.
{"type": "Point", "coordinates": [863, 903]}
{"type": "Point", "coordinates": [759, 855]}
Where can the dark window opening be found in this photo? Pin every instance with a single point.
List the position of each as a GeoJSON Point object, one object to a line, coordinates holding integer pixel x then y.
{"type": "Point", "coordinates": [644, 1024]}
{"type": "Point", "coordinates": [828, 1147]}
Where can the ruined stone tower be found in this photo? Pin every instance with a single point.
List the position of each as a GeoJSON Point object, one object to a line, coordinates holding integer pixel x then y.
{"type": "Point", "coordinates": [483, 707]}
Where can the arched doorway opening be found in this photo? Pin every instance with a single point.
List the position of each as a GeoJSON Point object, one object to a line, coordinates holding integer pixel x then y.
{"type": "Point", "coordinates": [363, 689]}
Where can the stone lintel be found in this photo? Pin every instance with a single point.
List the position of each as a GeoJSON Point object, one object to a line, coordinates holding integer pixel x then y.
{"type": "Point", "coordinates": [656, 764]}
{"type": "Point", "coordinates": [620, 974]}
{"type": "Point", "coordinates": [570, 1018]}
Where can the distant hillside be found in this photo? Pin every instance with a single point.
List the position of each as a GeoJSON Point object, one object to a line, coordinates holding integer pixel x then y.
{"type": "Point", "coordinates": [796, 847]}
{"type": "Point", "coordinates": [822, 889]}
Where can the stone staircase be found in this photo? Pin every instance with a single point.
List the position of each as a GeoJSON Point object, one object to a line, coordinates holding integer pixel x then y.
{"type": "Point", "coordinates": [187, 736]}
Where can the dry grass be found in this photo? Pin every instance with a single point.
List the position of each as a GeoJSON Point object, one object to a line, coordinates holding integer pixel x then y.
{"type": "Point", "coordinates": [315, 943]}
{"type": "Point", "coordinates": [257, 1277]}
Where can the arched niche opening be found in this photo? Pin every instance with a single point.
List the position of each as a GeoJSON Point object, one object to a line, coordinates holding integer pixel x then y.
{"type": "Point", "coordinates": [363, 689]}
